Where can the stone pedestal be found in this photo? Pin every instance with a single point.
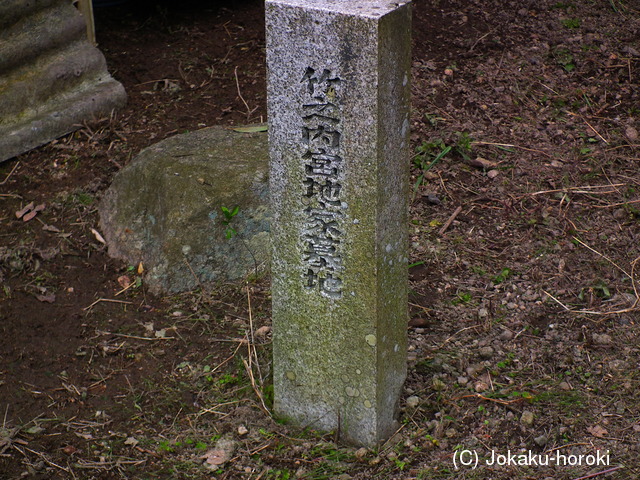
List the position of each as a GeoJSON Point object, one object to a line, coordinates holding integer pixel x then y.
{"type": "Point", "coordinates": [338, 100]}
{"type": "Point", "coordinates": [52, 79]}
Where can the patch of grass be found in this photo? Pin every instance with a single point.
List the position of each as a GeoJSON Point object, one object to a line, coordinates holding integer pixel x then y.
{"type": "Point", "coordinates": [427, 155]}
{"type": "Point", "coordinates": [563, 6]}
{"type": "Point", "coordinates": [504, 274]}
{"type": "Point", "coordinates": [507, 362]}
{"type": "Point", "coordinates": [462, 298]}
{"type": "Point", "coordinates": [571, 23]}
{"type": "Point", "coordinates": [81, 198]}
{"type": "Point", "coordinates": [564, 58]}
{"type": "Point", "coordinates": [566, 400]}
{"type": "Point", "coordinates": [478, 270]}
{"type": "Point", "coordinates": [599, 289]}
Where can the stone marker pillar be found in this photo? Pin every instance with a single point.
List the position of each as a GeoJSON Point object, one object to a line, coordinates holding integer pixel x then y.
{"type": "Point", "coordinates": [338, 101]}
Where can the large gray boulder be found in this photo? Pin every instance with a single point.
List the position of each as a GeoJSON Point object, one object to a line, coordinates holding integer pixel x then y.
{"type": "Point", "coordinates": [165, 209]}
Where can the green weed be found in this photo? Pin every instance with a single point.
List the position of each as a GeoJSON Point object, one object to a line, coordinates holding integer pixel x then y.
{"type": "Point", "coordinates": [228, 217]}
{"type": "Point", "coordinates": [504, 274]}
{"type": "Point", "coordinates": [571, 23]}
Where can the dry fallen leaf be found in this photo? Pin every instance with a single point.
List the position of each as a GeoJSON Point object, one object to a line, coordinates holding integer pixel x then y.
{"type": "Point", "coordinates": [124, 281]}
{"type": "Point", "coordinates": [69, 449]}
{"type": "Point", "coordinates": [263, 331]}
{"type": "Point", "coordinates": [482, 163]}
{"type": "Point", "coordinates": [98, 236]}
{"type": "Point", "coordinates": [222, 453]}
{"type": "Point", "coordinates": [131, 441]}
{"type": "Point", "coordinates": [21, 213]}
{"type": "Point", "coordinates": [48, 298]}
{"type": "Point", "coordinates": [216, 456]}
{"type": "Point", "coordinates": [33, 213]}
{"type": "Point", "coordinates": [598, 431]}
{"type": "Point", "coordinates": [51, 228]}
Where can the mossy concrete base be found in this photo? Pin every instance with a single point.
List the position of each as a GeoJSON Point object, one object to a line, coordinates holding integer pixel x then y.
{"type": "Point", "coordinates": [52, 79]}
{"type": "Point", "coordinates": [338, 100]}
{"type": "Point", "coordinates": [164, 209]}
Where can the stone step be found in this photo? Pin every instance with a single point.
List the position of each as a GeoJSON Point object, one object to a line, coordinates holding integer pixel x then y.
{"type": "Point", "coordinates": [37, 34]}
{"type": "Point", "coordinates": [52, 79]}
{"type": "Point", "coordinates": [12, 11]}
{"type": "Point", "coordinates": [56, 75]}
{"type": "Point", "coordinates": [60, 116]}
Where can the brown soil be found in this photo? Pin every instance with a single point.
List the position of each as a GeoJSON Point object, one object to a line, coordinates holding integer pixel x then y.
{"type": "Point", "coordinates": [525, 235]}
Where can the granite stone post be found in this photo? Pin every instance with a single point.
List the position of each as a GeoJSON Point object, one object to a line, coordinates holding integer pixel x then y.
{"type": "Point", "coordinates": [338, 101]}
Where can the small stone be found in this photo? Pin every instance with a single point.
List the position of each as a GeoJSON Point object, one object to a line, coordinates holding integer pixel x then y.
{"type": "Point", "coordinates": [242, 430]}
{"type": "Point", "coordinates": [527, 418]}
{"type": "Point", "coordinates": [361, 453]}
{"type": "Point", "coordinates": [483, 312]}
{"type": "Point", "coordinates": [438, 385]}
{"type": "Point", "coordinates": [432, 199]}
{"type": "Point", "coordinates": [463, 380]}
{"type": "Point", "coordinates": [564, 386]}
{"type": "Point", "coordinates": [413, 401]}
{"type": "Point", "coordinates": [263, 331]}
{"type": "Point", "coordinates": [448, 72]}
{"type": "Point", "coordinates": [631, 133]}
{"type": "Point", "coordinates": [603, 339]}
{"type": "Point", "coordinates": [541, 441]}
{"type": "Point", "coordinates": [473, 370]}
{"type": "Point", "coordinates": [450, 432]}
{"type": "Point", "coordinates": [481, 387]}
{"type": "Point", "coordinates": [506, 335]}
{"type": "Point", "coordinates": [493, 174]}
{"type": "Point", "coordinates": [486, 352]}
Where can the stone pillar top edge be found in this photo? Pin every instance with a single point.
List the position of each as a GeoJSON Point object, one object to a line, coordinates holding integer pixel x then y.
{"type": "Point", "coordinates": [361, 8]}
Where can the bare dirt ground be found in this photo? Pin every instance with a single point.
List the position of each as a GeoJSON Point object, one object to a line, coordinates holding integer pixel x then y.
{"type": "Point", "coordinates": [525, 231]}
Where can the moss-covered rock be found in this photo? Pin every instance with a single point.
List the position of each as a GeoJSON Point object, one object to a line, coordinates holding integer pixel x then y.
{"type": "Point", "coordinates": [165, 209]}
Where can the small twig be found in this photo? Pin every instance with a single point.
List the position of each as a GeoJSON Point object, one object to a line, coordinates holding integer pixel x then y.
{"type": "Point", "coordinates": [557, 301]}
{"type": "Point", "coordinates": [459, 331]}
{"type": "Point", "coordinates": [426, 309]}
{"type": "Point", "coordinates": [616, 204]}
{"type": "Point", "coordinates": [108, 300]}
{"type": "Point", "coordinates": [495, 400]}
{"type": "Point", "coordinates": [603, 256]}
{"type": "Point", "coordinates": [590, 126]}
{"type": "Point", "coordinates": [450, 221]}
{"type": "Point", "coordinates": [194, 274]}
{"type": "Point", "coordinates": [254, 385]}
{"type": "Point", "coordinates": [566, 446]}
{"type": "Point", "coordinates": [135, 337]}
{"type": "Point", "coordinates": [251, 345]}
{"type": "Point", "coordinates": [249, 111]}
{"type": "Point", "coordinates": [15, 167]}
{"type": "Point", "coordinates": [125, 289]}
{"type": "Point", "coordinates": [226, 360]}
{"type": "Point", "coordinates": [592, 475]}
{"type": "Point", "coordinates": [585, 189]}
{"type": "Point", "coordinates": [44, 457]}
{"type": "Point", "coordinates": [478, 41]}
{"type": "Point", "coordinates": [154, 81]}
{"type": "Point", "coordinates": [508, 145]}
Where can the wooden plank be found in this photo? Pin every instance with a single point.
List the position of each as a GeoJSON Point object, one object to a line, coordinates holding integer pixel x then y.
{"type": "Point", "coordinates": [86, 9]}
